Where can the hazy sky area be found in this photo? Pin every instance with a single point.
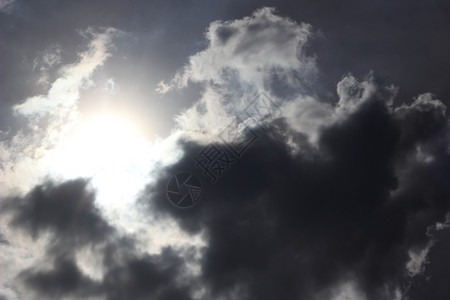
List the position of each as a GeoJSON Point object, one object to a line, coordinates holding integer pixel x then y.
{"type": "Point", "coordinates": [184, 150]}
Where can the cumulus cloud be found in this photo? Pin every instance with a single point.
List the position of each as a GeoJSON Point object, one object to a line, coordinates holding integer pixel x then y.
{"type": "Point", "coordinates": [328, 192]}
{"type": "Point", "coordinates": [253, 51]}
{"type": "Point", "coordinates": [255, 69]}
{"type": "Point", "coordinates": [295, 224]}
{"type": "Point", "coordinates": [263, 53]}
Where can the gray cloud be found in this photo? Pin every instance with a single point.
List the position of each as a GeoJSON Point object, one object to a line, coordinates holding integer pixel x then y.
{"type": "Point", "coordinates": [67, 210]}
{"type": "Point", "coordinates": [5, 5]}
{"type": "Point", "coordinates": [340, 215]}
{"type": "Point", "coordinates": [68, 213]}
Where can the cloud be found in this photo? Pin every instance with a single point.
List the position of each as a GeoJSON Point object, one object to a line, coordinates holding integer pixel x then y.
{"type": "Point", "coordinates": [284, 224]}
{"type": "Point", "coordinates": [67, 215]}
{"type": "Point", "coordinates": [61, 240]}
{"type": "Point", "coordinates": [257, 67]}
{"type": "Point", "coordinates": [64, 92]}
{"type": "Point", "coordinates": [333, 200]}
{"type": "Point", "coordinates": [253, 51]}
{"type": "Point", "coordinates": [64, 278]}
{"type": "Point", "coordinates": [67, 210]}
{"type": "Point", "coordinates": [51, 57]}
{"type": "Point", "coordinates": [46, 119]}
{"type": "Point", "coordinates": [6, 5]}
{"type": "Point", "coordinates": [111, 86]}
{"type": "Point", "coordinates": [49, 117]}
{"type": "Point", "coordinates": [263, 53]}
{"type": "Point", "coordinates": [418, 259]}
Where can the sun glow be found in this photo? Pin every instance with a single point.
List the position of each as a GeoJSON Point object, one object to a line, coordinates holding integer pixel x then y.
{"type": "Point", "coordinates": [111, 151]}
{"type": "Point", "coordinates": [105, 142]}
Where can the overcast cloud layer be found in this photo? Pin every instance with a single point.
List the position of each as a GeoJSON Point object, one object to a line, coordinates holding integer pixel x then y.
{"type": "Point", "coordinates": [343, 192]}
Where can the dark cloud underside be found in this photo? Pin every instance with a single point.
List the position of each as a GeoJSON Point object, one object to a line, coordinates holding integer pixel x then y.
{"type": "Point", "coordinates": [67, 211]}
{"type": "Point", "coordinates": [289, 226]}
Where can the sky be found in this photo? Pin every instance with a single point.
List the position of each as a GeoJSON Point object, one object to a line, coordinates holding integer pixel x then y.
{"type": "Point", "coordinates": [184, 150]}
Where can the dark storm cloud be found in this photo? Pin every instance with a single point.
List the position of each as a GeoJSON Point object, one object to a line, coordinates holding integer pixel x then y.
{"type": "Point", "coordinates": [290, 226]}
{"type": "Point", "coordinates": [65, 278]}
{"type": "Point", "coordinates": [146, 276]}
{"type": "Point", "coordinates": [67, 210]}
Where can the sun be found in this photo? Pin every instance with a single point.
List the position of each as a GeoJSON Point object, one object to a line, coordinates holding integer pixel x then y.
{"type": "Point", "coordinates": [110, 150]}
{"type": "Point", "coordinates": [106, 141]}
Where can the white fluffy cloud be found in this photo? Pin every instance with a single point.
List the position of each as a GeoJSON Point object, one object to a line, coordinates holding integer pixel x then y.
{"type": "Point", "coordinates": [248, 50]}
{"type": "Point", "coordinates": [49, 117]}
{"type": "Point", "coordinates": [245, 59]}
{"type": "Point", "coordinates": [257, 64]}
